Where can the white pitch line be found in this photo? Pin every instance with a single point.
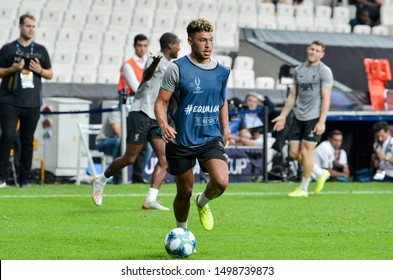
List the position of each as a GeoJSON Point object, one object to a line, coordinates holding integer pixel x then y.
{"type": "Point", "coordinates": [173, 194]}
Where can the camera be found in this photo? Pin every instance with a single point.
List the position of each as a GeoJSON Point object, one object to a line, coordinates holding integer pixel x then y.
{"type": "Point", "coordinates": [27, 56]}
{"type": "Point", "coordinates": [234, 105]}
{"type": "Point", "coordinates": [286, 71]}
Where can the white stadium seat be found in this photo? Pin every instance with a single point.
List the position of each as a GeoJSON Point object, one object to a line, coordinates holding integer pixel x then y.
{"type": "Point", "coordinates": [124, 5]}
{"type": "Point", "coordinates": [65, 57]}
{"type": "Point", "coordinates": [342, 28]}
{"type": "Point", "coordinates": [189, 5]}
{"type": "Point", "coordinates": [266, 9]}
{"type": "Point", "coordinates": [323, 14]}
{"type": "Point", "coordinates": [225, 60]}
{"type": "Point", "coordinates": [143, 19]}
{"type": "Point", "coordinates": [68, 35]}
{"type": "Point", "coordinates": [229, 8]}
{"type": "Point", "coordinates": [87, 58]}
{"type": "Point", "coordinates": [341, 14]}
{"type": "Point", "coordinates": [51, 17]}
{"type": "Point", "coordinates": [362, 29]}
{"type": "Point", "coordinates": [61, 73]}
{"type": "Point", "coordinates": [243, 63]}
{"type": "Point", "coordinates": [146, 4]}
{"type": "Point", "coordinates": [244, 78]}
{"type": "Point", "coordinates": [46, 35]}
{"type": "Point", "coordinates": [102, 5]}
{"type": "Point", "coordinates": [162, 23]}
{"type": "Point", "coordinates": [97, 18]}
{"type": "Point", "coordinates": [380, 30]}
{"type": "Point", "coordinates": [74, 18]}
{"type": "Point", "coordinates": [265, 83]}
{"type": "Point", "coordinates": [167, 6]}
{"type": "Point", "coordinates": [248, 21]}
{"type": "Point", "coordinates": [110, 59]}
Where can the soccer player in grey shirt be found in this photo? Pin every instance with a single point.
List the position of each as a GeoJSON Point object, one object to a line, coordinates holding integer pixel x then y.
{"type": "Point", "coordinates": [310, 100]}
{"type": "Point", "coordinates": [142, 125]}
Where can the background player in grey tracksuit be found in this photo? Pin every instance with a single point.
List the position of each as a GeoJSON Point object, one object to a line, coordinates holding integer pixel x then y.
{"type": "Point", "coordinates": [310, 100]}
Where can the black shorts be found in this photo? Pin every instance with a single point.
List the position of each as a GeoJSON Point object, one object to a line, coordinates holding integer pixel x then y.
{"type": "Point", "coordinates": [303, 130]}
{"type": "Point", "coordinates": [180, 159]}
{"type": "Point", "coordinates": [140, 128]}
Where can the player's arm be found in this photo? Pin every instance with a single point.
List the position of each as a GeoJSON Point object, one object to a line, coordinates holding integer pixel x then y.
{"type": "Point", "coordinates": [116, 128]}
{"type": "Point", "coordinates": [346, 171]}
{"type": "Point", "coordinates": [325, 105]}
{"type": "Point", "coordinates": [223, 118]}
{"type": "Point", "coordinates": [4, 70]}
{"type": "Point", "coordinates": [151, 69]}
{"type": "Point", "coordinates": [279, 122]}
{"type": "Point", "coordinates": [160, 111]}
{"type": "Point", "coordinates": [36, 67]}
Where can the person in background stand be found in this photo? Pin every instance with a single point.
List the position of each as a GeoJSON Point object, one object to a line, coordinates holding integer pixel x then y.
{"type": "Point", "coordinates": [362, 18]}
{"type": "Point", "coordinates": [383, 148]}
{"type": "Point", "coordinates": [109, 139]}
{"type": "Point", "coordinates": [254, 121]}
{"type": "Point", "coordinates": [142, 125]}
{"type": "Point", "coordinates": [23, 63]}
{"type": "Point", "coordinates": [130, 78]}
{"type": "Point", "coordinates": [330, 156]}
{"type": "Point", "coordinates": [311, 95]}
{"type": "Point", "coordinates": [246, 128]}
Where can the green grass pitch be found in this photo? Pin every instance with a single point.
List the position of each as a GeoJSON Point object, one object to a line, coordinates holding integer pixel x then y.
{"type": "Point", "coordinates": [253, 221]}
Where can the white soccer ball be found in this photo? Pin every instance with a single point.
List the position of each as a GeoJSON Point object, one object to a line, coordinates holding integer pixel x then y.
{"type": "Point", "coordinates": [180, 243]}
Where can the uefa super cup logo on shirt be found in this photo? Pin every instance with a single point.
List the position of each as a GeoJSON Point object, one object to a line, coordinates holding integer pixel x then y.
{"type": "Point", "coordinates": [197, 83]}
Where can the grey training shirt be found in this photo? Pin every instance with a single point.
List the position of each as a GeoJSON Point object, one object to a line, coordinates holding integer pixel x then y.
{"type": "Point", "coordinates": [310, 81]}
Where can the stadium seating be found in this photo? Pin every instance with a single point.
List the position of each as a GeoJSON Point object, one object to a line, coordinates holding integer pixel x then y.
{"type": "Point", "coordinates": [74, 18]}
{"type": "Point", "coordinates": [189, 5]}
{"type": "Point", "coordinates": [123, 5]}
{"type": "Point", "coordinates": [244, 78]}
{"type": "Point", "coordinates": [324, 27]}
{"type": "Point", "coordinates": [146, 4]}
{"type": "Point", "coordinates": [284, 83]}
{"type": "Point", "coordinates": [225, 60]}
{"type": "Point", "coordinates": [341, 14]}
{"type": "Point", "coordinates": [51, 17]}
{"type": "Point", "coordinates": [63, 73]}
{"type": "Point", "coordinates": [106, 28]}
{"type": "Point", "coordinates": [162, 23]}
{"type": "Point", "coordinates": [323, 15]}
{"type": "Point", "coordinates": [243, 63]}
{"type": "Point", "coordinates": [380, 30]}
{"type": "Point", "coordinates": [342, 28]}
{"type": "Point", "coordinates": [265, 83]}
{"type": "Point", "coordinates": [167, 7]}
{"type": "Point", "coordinates": [97, 18]}
{"type": "Point", "coordinates": [362, 29]}
{"type": "Point", "coordinates": [285, 17]}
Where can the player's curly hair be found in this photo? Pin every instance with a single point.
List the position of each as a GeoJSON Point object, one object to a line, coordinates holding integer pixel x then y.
{"type": "Point", "coordinates": [199, 25]}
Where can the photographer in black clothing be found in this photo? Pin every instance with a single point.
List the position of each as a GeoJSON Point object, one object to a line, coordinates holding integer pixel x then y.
{"type": "Point", "coordinates": [22, 65]}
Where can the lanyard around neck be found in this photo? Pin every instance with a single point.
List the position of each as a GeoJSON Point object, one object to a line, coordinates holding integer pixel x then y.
{"type": "Point", "coordinates": [31, 48]}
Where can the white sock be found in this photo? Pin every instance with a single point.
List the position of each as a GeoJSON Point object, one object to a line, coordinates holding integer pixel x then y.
{"type": "Point", "coordinates": [304, 184]}
{"type": "Point", "coordinates": [203, 200]}
{"type": "Point", "coordinates": [313, 176]}
{"type": "Point", "coordinates": [181, 225]}
{"type": "Point", "coordinates": [152, 194]}
{"type": "Point", "coordinates": [317, 171]}
{"type": "Point", "coordinates": [102, 179]}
